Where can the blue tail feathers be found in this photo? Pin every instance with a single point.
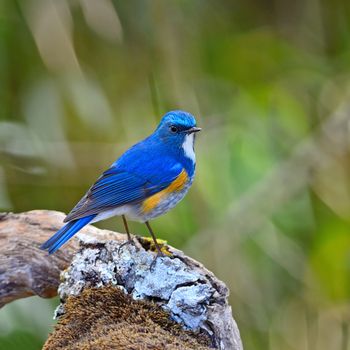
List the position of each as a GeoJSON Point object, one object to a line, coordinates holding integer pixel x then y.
{"type": "Point", "coordinates": [65, 233]}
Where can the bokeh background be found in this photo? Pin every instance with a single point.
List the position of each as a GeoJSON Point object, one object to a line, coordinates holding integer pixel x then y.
{"type": "Point", "coordinates": [269, 212]}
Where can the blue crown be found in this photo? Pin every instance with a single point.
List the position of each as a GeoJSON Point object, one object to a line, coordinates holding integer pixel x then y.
{"type": "Point", "coordinates": [178, 117]}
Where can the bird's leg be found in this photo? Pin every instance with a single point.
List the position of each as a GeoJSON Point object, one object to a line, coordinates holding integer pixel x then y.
{"type": "Point", "coordinates": [128, 234]}
{"type": "Point", "coordinates": [159, 251]}
{"type": "Point", "coordinates": [127, 228]}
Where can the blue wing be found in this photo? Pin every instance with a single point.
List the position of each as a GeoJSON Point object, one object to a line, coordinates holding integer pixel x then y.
{"type": "Point", "coordinates": [143, 170]}
{"type": "Point", "coordinates": [117, 187]}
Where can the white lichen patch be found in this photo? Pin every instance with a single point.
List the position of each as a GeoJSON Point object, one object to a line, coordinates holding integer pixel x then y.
{"type": "Point", "coordinates": [189, 304]}
{"type": "Point", "coordinates": [164, 278]}
{"type": "Point", "coordinates": [178, 284]}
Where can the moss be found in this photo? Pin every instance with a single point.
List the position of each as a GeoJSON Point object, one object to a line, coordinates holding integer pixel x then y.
{"type": "Point", "coordinates": [108, 319]}
{"type": "Point", "coordinates": [148, 244]}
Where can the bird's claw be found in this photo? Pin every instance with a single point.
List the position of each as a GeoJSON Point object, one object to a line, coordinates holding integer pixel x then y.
{"type": "Point", "coordinates": [129, 241]}
{"type": "Point", "coordinates": [160, 254]}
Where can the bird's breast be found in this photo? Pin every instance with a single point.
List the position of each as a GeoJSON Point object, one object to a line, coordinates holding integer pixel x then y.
{"type": "Point", "coordinates": [176, 186]}
{"type": "Point", "coordinates": [166, 199]}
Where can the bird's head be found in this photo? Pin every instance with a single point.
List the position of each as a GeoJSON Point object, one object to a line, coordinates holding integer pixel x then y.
{"type": "Point", "coordinates": [178, 129]}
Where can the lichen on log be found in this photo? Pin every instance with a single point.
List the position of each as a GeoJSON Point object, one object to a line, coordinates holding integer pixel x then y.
{"type": "Point", "coordinates": [110, 292]}
{"type": "Point", "coordinates": [177, 284]}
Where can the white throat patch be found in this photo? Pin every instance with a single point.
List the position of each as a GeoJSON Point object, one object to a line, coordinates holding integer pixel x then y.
{"type": "Point", "coordinates": [188, 147]}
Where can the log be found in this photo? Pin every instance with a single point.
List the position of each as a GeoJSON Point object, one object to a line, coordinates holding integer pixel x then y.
{"type": "Point", "coordinates": [25, 270]}
{"type": "Point", "coordinates": [115, 295]}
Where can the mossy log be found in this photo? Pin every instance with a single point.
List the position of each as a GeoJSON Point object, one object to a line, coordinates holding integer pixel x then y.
{"type": "Point", "coordinates": [112, 296]}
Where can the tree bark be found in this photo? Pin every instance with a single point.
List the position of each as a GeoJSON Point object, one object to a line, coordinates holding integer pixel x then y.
{"type": "Point", "coordinates": [25, 270]}
{"type": "Point", "coordinates": [114, 295]}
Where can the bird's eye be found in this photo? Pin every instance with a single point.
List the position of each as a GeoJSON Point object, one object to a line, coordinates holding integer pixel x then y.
{"type": "Point", "coordinates": [173, 128]}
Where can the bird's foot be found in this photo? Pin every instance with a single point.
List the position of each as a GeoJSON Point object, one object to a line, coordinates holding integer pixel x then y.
{"type": "Point", "coordinates": [160, 254]}
{"type": "Point", "coordinates": [129, 241]}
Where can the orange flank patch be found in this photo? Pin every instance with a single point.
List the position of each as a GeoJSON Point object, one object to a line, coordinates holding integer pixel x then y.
{"type": "Point", "coordinates": [177, 185]}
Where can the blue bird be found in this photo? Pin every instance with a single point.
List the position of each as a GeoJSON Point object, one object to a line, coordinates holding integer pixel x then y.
{"type": "Point", "coordinates": [147, 181]}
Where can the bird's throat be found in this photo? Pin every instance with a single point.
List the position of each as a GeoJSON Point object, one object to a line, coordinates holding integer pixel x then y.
{"type": "Point", "coordinates": [188, 147]}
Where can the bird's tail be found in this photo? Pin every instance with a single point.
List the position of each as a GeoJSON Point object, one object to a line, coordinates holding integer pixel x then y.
{"type": "Point", "coordinates": [65, 233]}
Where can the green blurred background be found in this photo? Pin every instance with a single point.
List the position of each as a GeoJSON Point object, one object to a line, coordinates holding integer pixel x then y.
{"type": "Point", "coordinates": [269, 212]}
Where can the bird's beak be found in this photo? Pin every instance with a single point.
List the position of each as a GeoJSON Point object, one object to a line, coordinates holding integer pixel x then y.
{"type": "Point", "coordinates": [192, 130]}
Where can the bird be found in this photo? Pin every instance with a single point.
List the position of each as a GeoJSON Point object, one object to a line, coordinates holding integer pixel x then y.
{"type": "Point", "coordinates": [146, 181]}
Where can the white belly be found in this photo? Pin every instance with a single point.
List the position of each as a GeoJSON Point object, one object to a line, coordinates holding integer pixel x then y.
{"type": "Point", "coordinates": [122, 210]}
